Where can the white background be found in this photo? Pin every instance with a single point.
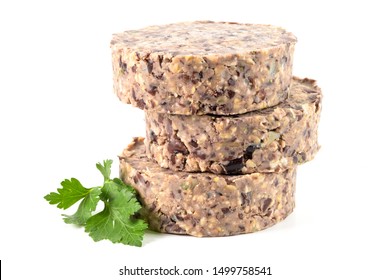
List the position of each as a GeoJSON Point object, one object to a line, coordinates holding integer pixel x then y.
{"type": "Point", "coordinates": [59, 116]}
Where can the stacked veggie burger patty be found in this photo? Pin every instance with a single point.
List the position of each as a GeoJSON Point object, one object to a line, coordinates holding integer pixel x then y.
{"type": "Point", "coordinates": [226, 124]}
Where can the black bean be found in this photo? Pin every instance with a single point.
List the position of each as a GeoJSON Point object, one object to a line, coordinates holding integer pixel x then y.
{"type": "Point", "coordinates": [193, 143]}
{"type": "Point", "coordinates": [173, 159]}
{"type": "Point", "coordinates": [158, 76]}
{"type": "Point", "coordinates": [134, 68]}
{"type": "Point", "coordinates": [234, 166]}
{"type": "Point", "coordinates": [133, 93]}
{"type": "Point", "coordinates": [174, 229]}
{"type": "Point", "coordinates": [218, 92]}
{"type": "Point", "coordinates": [317, 107]}
{"type": "Point", "coordinates": [176, 146]}
{"type": "Point", "coordinates": [225, 210]}
{"type": "Point", "coordinates": [138, 178]}
{"type": "Point", "coordinates": [269, 212]}
{"type": "Point", "coordinates": [265, 204]}
{"type": "Point", "coordinates": [140, 104]}
{"type": "Point", "coordinates": [228, 181]}
{"type": "Point", "coordinates": [160, 60]}
{"type": "Point", "coordinates": [289, 151]}
{"type": "Point", "coordinates": [246, 198]}
{"type": "Point", "coordinates": [251, 82]}
{"type": "Point", "coordinates": [152, 136]}
{"type": "Point", "coordinates": [201, 156]}
{"type": "Point", "coordinates": [212, 108]}
{"type": "Point", "coordinates": [150, 66]}
{"type": "Point", "coordinates": [231, 93]}
{"type": "Point", "coordinates": [122, 66]}
{"type": "Point", "coordinates": [152, 90]}
{"type": "Point", "coordinates": [250, 150]}
{"type": "Point", "coordinates": [231, 82]}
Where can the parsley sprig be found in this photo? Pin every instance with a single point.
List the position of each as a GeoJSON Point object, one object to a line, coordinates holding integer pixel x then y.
{"type": "Point", "coordinates": [116, 222]}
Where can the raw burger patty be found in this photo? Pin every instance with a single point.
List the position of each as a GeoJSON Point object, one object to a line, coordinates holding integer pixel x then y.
{"type": "Point", "coordinates": [205, 204]}
{"type": "Point", "coordinates": [269, 140]}
{"type": "Point", "coordinates": [203, 67]}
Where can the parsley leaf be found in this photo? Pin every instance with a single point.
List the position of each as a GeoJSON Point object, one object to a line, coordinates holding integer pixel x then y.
{"type": "Point", "coordinates": [71, 192]}
{"type": "Point", "coordinates": [120, 184]}
{"type": "Point", "coordinates": [86, 207]}
{"type": "Point", "coordinates": [116, 222]}
{"type": "Point", "coordinates": [105, 169]}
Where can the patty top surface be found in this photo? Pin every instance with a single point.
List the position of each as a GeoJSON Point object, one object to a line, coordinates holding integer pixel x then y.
{"type": "Point", "coordinates": [203, 38]}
